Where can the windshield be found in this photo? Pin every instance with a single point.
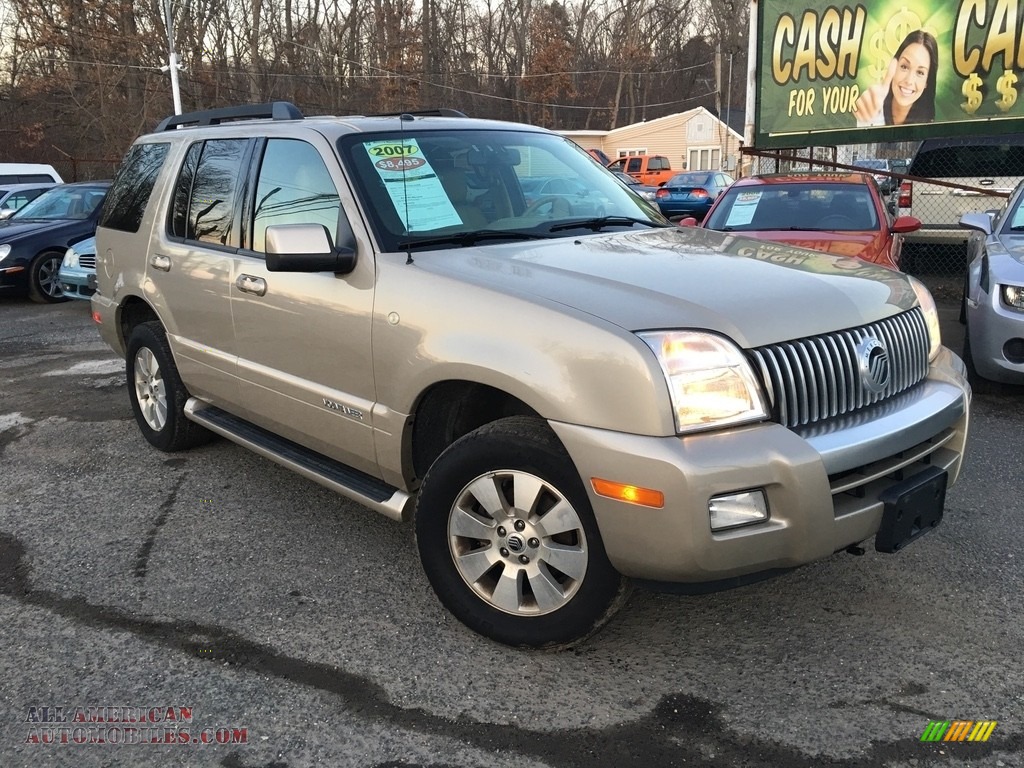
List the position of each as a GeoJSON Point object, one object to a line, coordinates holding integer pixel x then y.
{"type": "Point", "coordinates": [429, 189]}
{"type": "Point", "coordinates": [64, 203]}
{"type": "Point", "coordinates": [806, 206]}
{"type": "Point", "coordinates": [876, 165]}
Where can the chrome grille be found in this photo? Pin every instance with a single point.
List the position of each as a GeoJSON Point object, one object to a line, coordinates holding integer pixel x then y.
{"type": "Point", "coordinates": [87, 261]}
{"type": "Point", "coordinates": [810, 380]}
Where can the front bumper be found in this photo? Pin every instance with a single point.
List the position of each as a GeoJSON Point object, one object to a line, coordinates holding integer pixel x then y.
{"type": "Point", "coordinates": [822, 485]}
{"type": "Point", "coordinates": [991, 326]}
{"type": "Point", "coordinates": [13, 277]}
{"type": "Point", "coordinates": [77, 283]}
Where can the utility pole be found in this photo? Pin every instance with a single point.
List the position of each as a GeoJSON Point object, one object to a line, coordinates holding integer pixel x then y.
{"type": "Point", "coordinates": [172, 57]}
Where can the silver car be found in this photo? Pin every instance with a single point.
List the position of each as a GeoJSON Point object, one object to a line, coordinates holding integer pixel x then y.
{"type": "Point", "coordinates": [993, 306]}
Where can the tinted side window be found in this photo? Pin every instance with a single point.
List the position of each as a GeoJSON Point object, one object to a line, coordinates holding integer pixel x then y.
{"type": "Point", "coordinates": [635, 164]}
{"type": "Point", "coordinates": [183, 191]}
{"type": "Point", "coordinates": [35, 178]}
{"type": "Point", "coordinates": [129, 194]}
{"type": "Point", "coordinates": [215, 189]}
{"type": "Point", "coordinates": [294, 187]}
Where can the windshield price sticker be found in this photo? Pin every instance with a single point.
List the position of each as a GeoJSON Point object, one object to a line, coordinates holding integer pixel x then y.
{"type": "Point", "coordinates": [743, 209]}
{"type": "Point", "coordinates": [419, 198]}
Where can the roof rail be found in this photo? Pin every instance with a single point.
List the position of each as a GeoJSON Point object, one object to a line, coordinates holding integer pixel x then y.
{"type": "Point", "coordinates": [442, 112]}
{"type": "Point", "coordinates": [277, 110]}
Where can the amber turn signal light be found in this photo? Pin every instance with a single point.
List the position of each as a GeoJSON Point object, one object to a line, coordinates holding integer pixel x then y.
{"type": "Point", "coordinates": [631, 494]}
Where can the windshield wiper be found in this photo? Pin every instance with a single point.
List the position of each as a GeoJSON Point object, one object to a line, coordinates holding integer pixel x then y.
{"type": "Point", "coordinates": [601, 222]}
{"type": "Point", "coordinates": [464, 239]}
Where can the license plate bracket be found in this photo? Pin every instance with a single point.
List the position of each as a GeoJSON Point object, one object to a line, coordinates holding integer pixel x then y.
{"type": "Point", "coordinates": [912, 509]}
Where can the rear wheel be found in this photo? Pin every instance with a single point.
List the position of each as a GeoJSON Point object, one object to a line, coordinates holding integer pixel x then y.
{"type": "Point", "coordinates": [44, 280]}
{"type": "Point", "coordinates": [157, 393]}
{"type": "Point", "coordinates": [508, 539]}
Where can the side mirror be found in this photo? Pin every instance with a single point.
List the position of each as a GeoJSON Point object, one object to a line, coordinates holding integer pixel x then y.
{"type": "Point", "coordinates": [307, 248]}
{"type": "Point", "coordinates": [6, 213]}
{"type": "Point", "coordinates": [981, 222]}
{"type": "Point", "coordinates": [905, 224]}
{"type": "Point", "coordinates": [689, 221]}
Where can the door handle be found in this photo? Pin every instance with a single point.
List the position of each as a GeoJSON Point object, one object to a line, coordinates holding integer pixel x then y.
{"type": "Point", "coordinates": [161, 262]}
{"type": "Point", "coordinates": [249, 284]}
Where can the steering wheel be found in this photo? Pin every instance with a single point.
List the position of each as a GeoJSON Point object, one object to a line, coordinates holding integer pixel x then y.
{"type": "Point", "coordinates": [835, 221]}
{"type": "Point", "coordinates": [560, 207]}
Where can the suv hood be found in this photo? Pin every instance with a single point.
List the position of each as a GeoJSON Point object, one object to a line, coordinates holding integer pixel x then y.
{"type": "Point", "coordinates": [752, 291]}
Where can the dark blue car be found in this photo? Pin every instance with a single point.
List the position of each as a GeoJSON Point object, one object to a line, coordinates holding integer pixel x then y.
{"type": "Point", "coordinates": [34, 240]}
{"type": "Point", "coordinates": [691, 193]}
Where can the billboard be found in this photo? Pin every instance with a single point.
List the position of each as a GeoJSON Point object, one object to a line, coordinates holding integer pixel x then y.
{"type": "Point", "coordinates": [839, 73]}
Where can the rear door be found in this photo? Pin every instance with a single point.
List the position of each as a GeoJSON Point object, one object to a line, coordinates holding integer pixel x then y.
{"type": "Point", "coordinates": [190, 265]}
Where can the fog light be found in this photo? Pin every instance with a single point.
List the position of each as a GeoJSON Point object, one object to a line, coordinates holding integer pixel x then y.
{"type": "Point", "coordinates": [1013, 350]}
{"type": "Point", "coordinates": [735, 509]}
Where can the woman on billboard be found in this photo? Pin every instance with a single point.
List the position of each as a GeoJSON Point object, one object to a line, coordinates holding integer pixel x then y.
{"type": "Point", "coordinates": [907, 93]}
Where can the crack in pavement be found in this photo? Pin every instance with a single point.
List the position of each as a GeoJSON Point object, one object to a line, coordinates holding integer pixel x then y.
{"type": "Point", "coordinates": [142, 558]}
{"type": "Point", "coordinates": [681, 729]}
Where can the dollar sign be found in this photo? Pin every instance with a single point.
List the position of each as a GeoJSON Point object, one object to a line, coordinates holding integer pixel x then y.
{"type": "Point", "coordinates": [880, 56]}
{"type": "Point", "coordinates": [970, 92]}
{"type": "Point", "coordinates": [900, 25]}
{"type": "Point", "coordinates": [1005, 86]}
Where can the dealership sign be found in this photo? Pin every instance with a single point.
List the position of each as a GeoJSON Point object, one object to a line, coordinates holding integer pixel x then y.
{"type": "Point", "coordinates": [889, 70]}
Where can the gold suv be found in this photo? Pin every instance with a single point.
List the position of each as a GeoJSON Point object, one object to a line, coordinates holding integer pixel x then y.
{"type": "Point", "coordinates": [563, 392]}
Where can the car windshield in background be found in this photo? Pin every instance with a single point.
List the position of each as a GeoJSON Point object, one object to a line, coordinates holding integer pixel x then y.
{"type": "Point", "coordinates": [875, 165]}
{"type": "Point", "coordinates": [72, 202]}
{"type": "Point", "coordinates": [800, 206]}
{"type": "Point", "coordinates": [434, 188]}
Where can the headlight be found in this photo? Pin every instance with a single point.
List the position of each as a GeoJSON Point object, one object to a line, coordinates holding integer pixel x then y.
{"type": "Point", "coordinates": [70, 258]}
{"type": "Point", "coordinates": [710, 382]}
{"type": "Point", "coordinates": [931, 317]}
{"type": "Point", "coordinates": [5, 251]}
{"type": "Point", "coordinates": [1013, 297]}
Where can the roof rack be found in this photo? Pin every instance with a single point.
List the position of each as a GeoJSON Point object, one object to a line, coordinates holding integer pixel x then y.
{"type": "Point", "coordinates": [442, 112]}
{"type": "Point", "coordinates": [276, 110]}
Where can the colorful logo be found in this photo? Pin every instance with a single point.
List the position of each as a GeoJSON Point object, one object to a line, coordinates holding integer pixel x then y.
{"type": "Point", "coordinates": [958, 730]}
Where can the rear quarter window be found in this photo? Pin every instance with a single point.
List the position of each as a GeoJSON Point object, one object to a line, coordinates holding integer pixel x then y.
{"type": "Point", "coordinates": [129, 194]}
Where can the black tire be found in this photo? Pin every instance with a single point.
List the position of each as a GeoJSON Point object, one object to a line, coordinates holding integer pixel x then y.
{"type": "Point", "coordinates": [43, 282]}
{"type": "Point", "coordinates": [551, 607]}
{"type": "Point", "coordinates": [152, 377]}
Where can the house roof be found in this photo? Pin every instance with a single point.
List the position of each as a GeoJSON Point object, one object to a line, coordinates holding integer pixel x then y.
{"type": "Point", "coordinates": [659, 122]}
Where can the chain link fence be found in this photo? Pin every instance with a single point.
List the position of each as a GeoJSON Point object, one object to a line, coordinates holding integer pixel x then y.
{"type": "Point", "coordinates": [936, 181]}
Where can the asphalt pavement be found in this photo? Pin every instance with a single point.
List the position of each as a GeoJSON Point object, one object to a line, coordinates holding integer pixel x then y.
{"type": "Point", "coordinates": [212, 596]}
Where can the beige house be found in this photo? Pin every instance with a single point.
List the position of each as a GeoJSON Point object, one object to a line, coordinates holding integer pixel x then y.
{"type": "Point", "coordinates": [694, 140]}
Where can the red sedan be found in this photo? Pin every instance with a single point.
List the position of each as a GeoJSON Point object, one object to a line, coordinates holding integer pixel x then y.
{"type": "Point", "coordinates": [841, 213]}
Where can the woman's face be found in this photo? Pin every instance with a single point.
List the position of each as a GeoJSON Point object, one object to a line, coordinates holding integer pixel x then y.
{"type": "Point", "coordinates": [911, 76]}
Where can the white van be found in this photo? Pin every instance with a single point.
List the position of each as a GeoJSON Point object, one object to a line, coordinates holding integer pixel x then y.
{"type": "Point", "coordinates": [28, 173]}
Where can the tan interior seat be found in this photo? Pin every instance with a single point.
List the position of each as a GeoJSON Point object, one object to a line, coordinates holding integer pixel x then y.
{"type": "Point", "coordinates": [454, 182]}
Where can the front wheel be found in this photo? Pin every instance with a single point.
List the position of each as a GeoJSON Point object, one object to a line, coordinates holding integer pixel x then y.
{"type": "Point", "coordinates": [508, 540]}
{"type": "Point", "coordinates": [44, 278]}
{"type": "Point", "coordinates": [157, 393]}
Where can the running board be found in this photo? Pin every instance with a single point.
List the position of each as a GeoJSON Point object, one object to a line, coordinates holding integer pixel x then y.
{"type": "Point", "coordinates": [351, 483]}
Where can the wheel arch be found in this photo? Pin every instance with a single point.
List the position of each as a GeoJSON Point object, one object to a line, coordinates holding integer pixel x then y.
{"type": "Point", "coordinates": [132, 312]}
{"type": "Point", "coordinates": [450, 409]}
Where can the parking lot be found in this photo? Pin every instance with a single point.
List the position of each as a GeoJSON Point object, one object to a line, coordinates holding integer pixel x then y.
{"type": "Point", "coordinates": [294, 628]}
